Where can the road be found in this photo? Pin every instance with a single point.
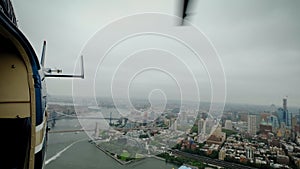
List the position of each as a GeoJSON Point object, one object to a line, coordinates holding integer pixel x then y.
{"type": "Point", "coordinates": [208, 160]}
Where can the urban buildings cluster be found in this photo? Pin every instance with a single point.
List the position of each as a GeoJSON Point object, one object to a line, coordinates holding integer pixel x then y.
{"type": "Point", "coordinates": [262, 139]}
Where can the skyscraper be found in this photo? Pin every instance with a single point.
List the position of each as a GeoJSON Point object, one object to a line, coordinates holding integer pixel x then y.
{"type": "Point", "coordinates": [283, 113]}
{"type": "Point", "coordinates": [252, 124]}
{"type": "Point", "coordinates": [286, 112]}
{"type": "Point", "coordinates": [201, 130]}
{"type": "Point", "coordinates": [284, 103]}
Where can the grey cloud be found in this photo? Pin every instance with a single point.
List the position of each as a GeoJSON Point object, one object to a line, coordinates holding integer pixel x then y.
{"type": "Point", "coordinates": [258, 41]}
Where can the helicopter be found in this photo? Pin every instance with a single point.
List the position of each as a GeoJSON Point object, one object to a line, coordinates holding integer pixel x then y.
{"type": "Point", "coordinates": [23, 95]}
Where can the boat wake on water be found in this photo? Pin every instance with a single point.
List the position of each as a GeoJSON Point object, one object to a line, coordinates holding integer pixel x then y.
{"type": "Point", "coordinates": [63, 150]}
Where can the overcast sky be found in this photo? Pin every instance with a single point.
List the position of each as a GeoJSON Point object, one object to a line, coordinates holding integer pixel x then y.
{"type": "Point", "coordinates": [258, 42]}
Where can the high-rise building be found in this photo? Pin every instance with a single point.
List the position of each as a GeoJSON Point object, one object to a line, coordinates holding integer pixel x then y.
{"type": "Point", "coordinates": [252, 126]}
{"type": "Point", "coordinates": [228, 124]}
{"type": "Point", "coordinates": [281, 116]}
{"type": "Point", "coordinates": [285, 103]}
{"type": "Point", "coordinates": [173, 124]}
{"type": "Point", "coordinates": [298, 119]}
{"type": "Point", "coordinates": [273, 120]}
{"type": "Point", "coordinates": [209, 126]}
{"type": "Point", "coordinates": [201, 130]}
{"type": "Point", "coordinates": [201, 126]}
{"type": "Point", "coordinates": [243, 117]}
{"type": "Point", "coordinates": [294, 122]}
{"type": "Point", "coordinates": [286, 112]}
{"type": "Point", "coordinates": [283, 113]}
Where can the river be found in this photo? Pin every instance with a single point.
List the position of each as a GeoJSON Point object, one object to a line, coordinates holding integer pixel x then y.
{"type": "Point", "coordinates": [73, 151]}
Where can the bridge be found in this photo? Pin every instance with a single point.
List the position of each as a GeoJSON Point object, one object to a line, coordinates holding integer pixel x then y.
{"type": "Point", "coordinates": [62, 116]}
{"type": "Point", "coordinates": [68, 131]}
{"type": "Point", "coordinates": [57, 116]}
{"type": "Point", "coordinates": [65, 131]}
{"type": "Point", "coordinates": [122, 122]}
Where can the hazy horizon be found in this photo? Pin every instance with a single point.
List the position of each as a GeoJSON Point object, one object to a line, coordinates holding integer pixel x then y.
{"type": "Point", "coordinates": [295, 109]}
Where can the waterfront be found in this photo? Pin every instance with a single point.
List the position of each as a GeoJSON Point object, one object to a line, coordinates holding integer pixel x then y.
{"type": "Point", "coordinates": [72, 150]}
